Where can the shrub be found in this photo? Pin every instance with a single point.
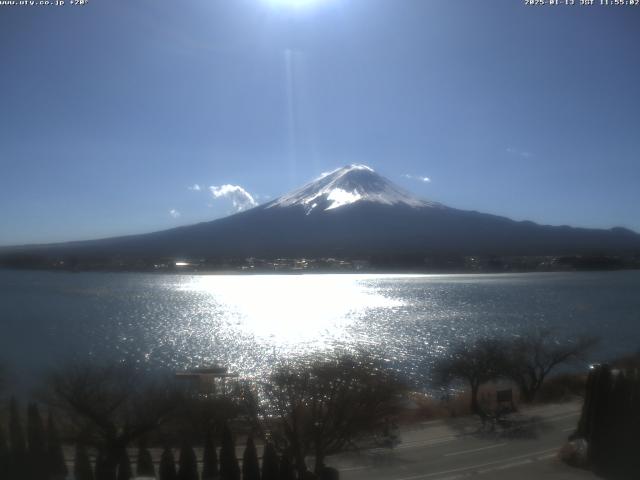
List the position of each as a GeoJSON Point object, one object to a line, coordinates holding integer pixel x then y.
{"type": "Point", "coordinates": [209, 459]}
{"type": "Point", "coordinates": [82, 465]}
{"type": "Point", "coordinates": [250, 466]}
{"type": "Point", "coordinates": [188, 463]}
{"type": "Point", "coordinates": [167, 468]}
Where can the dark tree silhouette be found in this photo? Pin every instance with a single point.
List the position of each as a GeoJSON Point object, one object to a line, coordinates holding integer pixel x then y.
{"type": "Point", "coordinates": [270, 469]}
{"type": "Point", "coordinates": [250, 465]}
{"type": "Point", "coordinates": [167, 470]}
{"type": "Point", "coordinates": [144, 464]}
{"type": "Point", "coordinates": [55, 457]}
{"type": "Point", "coordinates": [188, 463]}
{"type": "Point", "coordinates": [475, 363]}
{"type": "Point", "coordinates": [124, 467]}
{"type": "Point", "coordinates": [286, 468]}
{"type": "Point", "coordinates": [82, 465]}
{"type": "Point", "coordinates": [326, 407]}
{"type": "Point", "coordinates": [114, 402]}
{"type": "Point", "coordinates": [229, 468]}
{"type": "Point", "coordinates": [18, 453]}
{"type": "Point", "coordinates": [104, 469]}
{"type": "Point", "coordinates": [530, 358]}
{"type": "Point", "coordinates": [36, 439]}
{"type": "Point", "coordinates": [209, 459]}
{"type": "Point", "coordinates": [4, 455]}
{"type": "Point", "coordinates": [610, 422]}
{"type": "Point", "coordinates": [329, 473]}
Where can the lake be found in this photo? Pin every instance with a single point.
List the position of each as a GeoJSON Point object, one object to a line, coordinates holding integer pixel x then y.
{"type": "Point", "coordinates": [251, 322]}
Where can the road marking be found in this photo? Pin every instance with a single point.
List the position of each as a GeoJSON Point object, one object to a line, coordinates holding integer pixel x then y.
{"type": "Point", "coordinates": [561, 417]}
{"type": "Point", "coordinates": [548, 456]}
{"type": "Point", "coordinates": [462, 452]}
{"type": "Point", "coordinates": [506, 466]}
{"type": "Point", "coordinates": [351, 469]}
{"type": "Point", "coordinates": [475, 467]}
{"type": "Point", "coordinates": [426, 443]}
{"type": "Point", "coordinates": [471, 469]}
{"type": "Point", "coordinates": [463, 472]}
{"type": "Point", "coordinates": [449, 438]}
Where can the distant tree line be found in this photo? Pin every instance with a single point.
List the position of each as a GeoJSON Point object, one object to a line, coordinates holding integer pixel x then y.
{"type": "Point", "coordinates": [405, 261]}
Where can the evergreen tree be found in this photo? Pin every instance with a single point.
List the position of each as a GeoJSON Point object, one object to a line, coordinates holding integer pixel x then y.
{"type": "Point", "coordinates": [188, 463]}
{"type": "Point", "coordinates": [55, 457]}
{"type": "Point", "coordinates": [329, 473]}
{"type": "Point", "coordinates": [104, 469]}
{"type": "Point", "coordinates": [4, 455]}
{"type": "Point", "coordinates": [124, 467]}
{"type": "Point", "coordinates": [250, 466]}
{"type": "Point", "coordinates": [144, 465]}
{"type": "Point", "coordinates": [37, 454]}
{"type": "Point", "coordinates": [82, 465]}
{"type": "Point", "coordinates": [209, 459]}
{"type": "Point", "coordinates": [634, 425]}
{"type": "Point", "coordinates": [270, 469]}
{"type": "Point", "coordinates": [610, 421]}
{"type": "Point", "coordinates": [167, 469]}
{"type": "Point", "coordinates": [229, 468]}
{"type": "Point", "coordinates": [286, 468]}
{"type": "Point", "coordinates": [18, 448]}
{"type": "Point", "coordinates": [600, 416]}
{"type": "Point", "coordinates": [621, 440]}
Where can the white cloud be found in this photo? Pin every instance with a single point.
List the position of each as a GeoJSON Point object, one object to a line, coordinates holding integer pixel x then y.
{"type": "Point", "coordinates": [418, 177]}
{"type": "Point", "coordinates": [519, 153]}
{"type": "Point", "coordinates": [195, 187]}
{"type": "Point", "coordinates": [240, 198]}
{"type": "Point", "coordinates": [174, 213]}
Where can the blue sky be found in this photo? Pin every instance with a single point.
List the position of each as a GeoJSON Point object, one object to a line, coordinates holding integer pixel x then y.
{"type": "Point", "coordinates": [111, 111]}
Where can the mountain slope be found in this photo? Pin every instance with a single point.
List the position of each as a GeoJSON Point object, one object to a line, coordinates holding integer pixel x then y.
{"type": "Point", "coordinates": [355, 212]}
{"type": "Point", "coordinates": [345, 186]}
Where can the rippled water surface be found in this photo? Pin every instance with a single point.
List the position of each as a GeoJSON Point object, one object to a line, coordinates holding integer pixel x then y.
{"type": "Point", "coordinates": [251, 321]}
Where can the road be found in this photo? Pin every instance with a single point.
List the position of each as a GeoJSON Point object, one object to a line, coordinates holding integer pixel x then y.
{"type": "Point", "coordinates": [459, 449]}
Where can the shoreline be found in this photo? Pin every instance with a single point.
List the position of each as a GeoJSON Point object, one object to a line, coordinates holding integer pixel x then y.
{"type": "Point", "coordinates": [380, 272]}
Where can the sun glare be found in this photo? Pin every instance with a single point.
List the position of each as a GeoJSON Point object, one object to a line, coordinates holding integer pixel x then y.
{"type": "Point", "coordinates": [290, 308]}
{"type": "Point", "coordinates": [294, 3]}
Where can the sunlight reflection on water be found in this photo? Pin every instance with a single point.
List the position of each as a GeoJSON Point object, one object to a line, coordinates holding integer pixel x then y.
{"type": "Point", "coordinates": [291, 309]}
{"type": "Point", "coordinates": [251, 322]}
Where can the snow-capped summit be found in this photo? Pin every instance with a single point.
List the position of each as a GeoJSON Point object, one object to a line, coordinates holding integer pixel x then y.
{"type": "Point", "coordinates": [347, 185]}
{"type": "Point", "coordinates": [351, 212]}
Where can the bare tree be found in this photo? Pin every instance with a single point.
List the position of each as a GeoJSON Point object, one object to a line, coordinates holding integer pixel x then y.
{"type": "Point", "coordinates": [325, 407]}
{"type": "Point", "coordinates": [530, 358]}
{"type": "Point", "coordinates": [474, 363]}
{"type": "Point", "coordinates": [112, 405]}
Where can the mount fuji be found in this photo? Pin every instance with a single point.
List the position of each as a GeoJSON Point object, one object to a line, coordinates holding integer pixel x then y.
{"type": "Point", "coordinates": [353, 212]}
{"type": "Point", "coordinates": [344, 186]}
